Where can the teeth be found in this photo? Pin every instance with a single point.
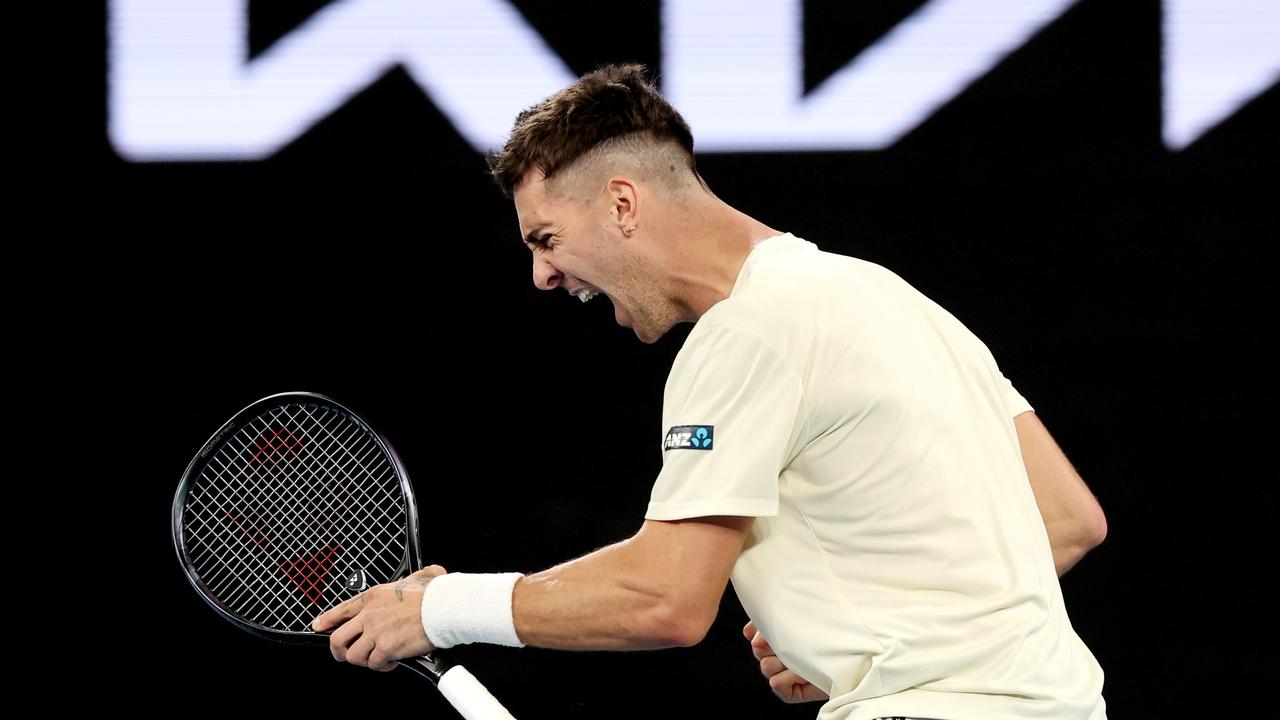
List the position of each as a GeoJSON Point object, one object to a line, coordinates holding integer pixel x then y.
{"type": "Point", "coordinates": [585, 294]}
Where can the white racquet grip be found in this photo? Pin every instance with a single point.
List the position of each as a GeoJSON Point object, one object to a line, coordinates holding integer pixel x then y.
{"type": "Point", "coordinates": [468, 696]}
{"type": "Point", "coordinates": [460, 608]}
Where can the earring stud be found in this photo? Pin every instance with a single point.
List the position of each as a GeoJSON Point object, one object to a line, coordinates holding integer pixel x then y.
{"type": "Point", "coordinates": [631, 229]}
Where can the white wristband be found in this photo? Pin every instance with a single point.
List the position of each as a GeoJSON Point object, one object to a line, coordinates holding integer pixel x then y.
{"type": "Point", "coordinates": [460, 608]}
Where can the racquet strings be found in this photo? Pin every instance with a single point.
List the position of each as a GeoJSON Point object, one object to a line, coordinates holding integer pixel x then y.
{"type": "Point", "coordinates": [287, 508]}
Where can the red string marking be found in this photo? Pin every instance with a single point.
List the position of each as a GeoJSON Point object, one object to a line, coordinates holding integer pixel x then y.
{"type": "Point", "coordinates": [309, 572]}
{"type": "Point", "coordinates": [274, 443]}
{"type": "Point", "coordinates": [246, 525]}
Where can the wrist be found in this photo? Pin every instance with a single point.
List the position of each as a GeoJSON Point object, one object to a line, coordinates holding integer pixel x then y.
{"type": "Point", "coordinates": [460, 608]}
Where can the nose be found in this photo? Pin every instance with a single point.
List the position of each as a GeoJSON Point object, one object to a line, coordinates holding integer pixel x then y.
{"type": "Point", "coordinates": [545, 275]}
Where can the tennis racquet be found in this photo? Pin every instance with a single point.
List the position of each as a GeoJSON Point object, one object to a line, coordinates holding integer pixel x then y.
{"type": "Point", "coordinates": [294, 505]}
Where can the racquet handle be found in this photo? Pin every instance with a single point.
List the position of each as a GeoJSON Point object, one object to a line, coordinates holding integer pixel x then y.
{"type": "Point", "coordinates": [469, 697]}
{"type": "Point", "coordinates": [463, 691]}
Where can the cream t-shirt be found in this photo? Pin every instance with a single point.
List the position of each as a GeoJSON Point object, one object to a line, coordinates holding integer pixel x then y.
{"type": "Point", "coordinates": [898, 559]}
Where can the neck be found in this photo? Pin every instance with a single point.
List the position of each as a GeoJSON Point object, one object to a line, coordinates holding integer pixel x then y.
{"type": "Point", "coordinates": [711, 242]}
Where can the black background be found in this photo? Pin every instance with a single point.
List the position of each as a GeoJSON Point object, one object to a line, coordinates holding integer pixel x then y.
{"type": "Point", "coordinates": [1119, 285]}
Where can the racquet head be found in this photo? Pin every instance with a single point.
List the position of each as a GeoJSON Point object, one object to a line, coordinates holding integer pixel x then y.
{"type": "Point", "coordinates": [292, 506]}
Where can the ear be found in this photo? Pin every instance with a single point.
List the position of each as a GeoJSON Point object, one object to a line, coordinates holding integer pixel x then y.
{"type": "Point", "coordinates": [624, 201]}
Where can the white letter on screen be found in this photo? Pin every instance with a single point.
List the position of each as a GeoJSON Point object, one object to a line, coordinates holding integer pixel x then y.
{"type": "Point", "coordinates": [734, 69]}
{"type": "Point", "coordinates": [1218, 55]}
{"type": "Point", "coordinates": [180, 86]}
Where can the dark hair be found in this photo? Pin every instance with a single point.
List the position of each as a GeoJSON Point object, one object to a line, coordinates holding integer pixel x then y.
{"type": "Point", "coordinates": [609, 103]}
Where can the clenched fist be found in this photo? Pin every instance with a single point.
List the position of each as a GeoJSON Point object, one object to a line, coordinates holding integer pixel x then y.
{"type": "Point", "coordinates": [785, 684]}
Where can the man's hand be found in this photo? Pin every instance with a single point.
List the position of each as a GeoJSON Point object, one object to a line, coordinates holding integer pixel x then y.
{"type": "Point", "coordinates": [785, 684]}
{"type": "Point", "coordinates": [381, 624]}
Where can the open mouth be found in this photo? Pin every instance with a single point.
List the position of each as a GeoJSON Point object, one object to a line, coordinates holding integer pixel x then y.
{"type": "Point", "coordinates": [587, 293]}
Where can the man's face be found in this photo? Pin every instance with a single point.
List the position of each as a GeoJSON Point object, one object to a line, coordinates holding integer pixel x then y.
{"type": "Point", "coordinates": [578, 245]}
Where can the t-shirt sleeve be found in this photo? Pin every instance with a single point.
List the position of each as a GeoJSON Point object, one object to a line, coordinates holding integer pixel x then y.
{"type": "Point", "coordinates": [730, 417]}
{"type": "Point", "coordinates": [1013, 399]}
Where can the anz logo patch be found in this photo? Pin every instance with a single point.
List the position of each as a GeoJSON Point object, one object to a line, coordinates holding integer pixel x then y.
{"type": "Point", "coordinates": [689, 437]}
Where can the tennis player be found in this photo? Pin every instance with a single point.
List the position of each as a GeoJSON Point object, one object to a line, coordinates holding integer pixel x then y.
{"type": "Point", "coordinates": [891, 512]}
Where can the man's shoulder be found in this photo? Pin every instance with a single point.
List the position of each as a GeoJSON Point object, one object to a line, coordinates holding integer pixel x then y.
{"type": "Point", "coordinates": [740, 336]}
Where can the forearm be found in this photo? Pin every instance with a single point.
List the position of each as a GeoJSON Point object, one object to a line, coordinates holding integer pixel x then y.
{"type": "Point", "coordinates": [609, 599]}
{"type": "Point", "coordinates": [1075, 525]}
{"type": "Point", "coordinates": [1072, 516]}
{"type": "Point", "coordinates": [1072, 536]}
{"type": "Point", "coordinates": [1066, 556]}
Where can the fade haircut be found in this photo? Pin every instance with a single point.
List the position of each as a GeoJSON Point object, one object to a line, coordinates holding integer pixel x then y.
{"type": "Point", "coordinates": [611, 108]}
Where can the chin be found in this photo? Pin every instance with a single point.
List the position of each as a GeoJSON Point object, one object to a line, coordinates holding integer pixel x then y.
{"type": "Point", "coordinates": [650, 336]}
